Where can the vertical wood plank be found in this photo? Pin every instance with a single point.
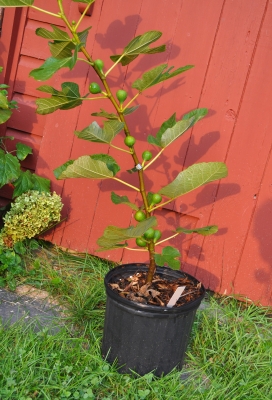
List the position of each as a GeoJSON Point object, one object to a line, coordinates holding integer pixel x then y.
{"type": "Point", "coordinates": [124, 216]}
{"type": "Point", "coordinates": [248, 265]}
{"type": "Point", "coordinates": [222, 93]}
{"type": "Point", "coordinates": [183, 48]}
{"type": "Point", "coordinates": [119, 21]}
{"type": "Point", "coordinates": [254, 273]}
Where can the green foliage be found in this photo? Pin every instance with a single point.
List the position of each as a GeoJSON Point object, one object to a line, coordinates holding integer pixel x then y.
{"type": "Point", "coordinates": [229, 356]}
{"type": "Point", "coordinates": [31, 213]}
{"type": "Point", "coordinates": [16, 3]}
{"type": "Point", "coordinates": [10, 168]}
{"type": "Point", "coordinates": [18, 222]}
{"type": "Point", "coordinates": [172, 130]}
{"type": "Point", "coordinates": [105, 114]}
{"type": "Point", "coordinates": [10, 267]}
{"type": "Point", "coordinates": [170, 256]}
{"type": "Point", "coordinates": [139, 45]}
{"type": "Point", "coordinates": [193, 177]}
{"type": "Point", "coordinates": [52, 65]}
{"type": "Point", "coordinates": [68, 97]}
{"type": "Point", "coordinates": [93, 133]}
{"type": "Point", "coordinates": [84, 1]}
{"type": "Point", "coordinates": [11, 172]}
{"type": "Point", "coordinates": [6, 106]}
{"type": "Point", "coordinates": [12, 264]}
{"type": "Point", "coordinates": [204, 231]}
{"type": "Point", "coordinates": [22, 151]}
{"type": "Point", "coordinates": [130, 110]}
{"type": "Point", "coordinates": [113, 236]}
{"type": "Point", "coordinates": [67, 47]}
{"type": "Point", "coordinates": [97, 166]}
{"type": "Point", "coordinates": [30, 181]}
{"type": "Point", "coordinates": [116, 199]}
{"type": "Point", "coordinates": [157, 75]}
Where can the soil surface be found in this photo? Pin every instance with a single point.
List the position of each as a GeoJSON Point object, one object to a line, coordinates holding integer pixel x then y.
{"type": "Point", "coordinates": [157, 293]}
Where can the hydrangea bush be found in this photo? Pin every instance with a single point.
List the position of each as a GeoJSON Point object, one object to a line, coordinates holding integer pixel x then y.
{"type": "Point", "coordinates": [31, 213]}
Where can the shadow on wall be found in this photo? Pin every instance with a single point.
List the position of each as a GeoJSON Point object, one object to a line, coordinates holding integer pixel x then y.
{"type": "Point", "coordinates": [207, 278]}
{"type": "Point", "coordinates": [262, 230]}
{"type": "Point", "coordinates": [2, 50]}
{"type": "Point", "coordinates": [208, 194]}
{"type": "Point", "coordinates": [119, 34]}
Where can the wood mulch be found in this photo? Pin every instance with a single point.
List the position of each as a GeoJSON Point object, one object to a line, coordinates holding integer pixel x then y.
{"type": "Point", "coordinates": [157, 293]}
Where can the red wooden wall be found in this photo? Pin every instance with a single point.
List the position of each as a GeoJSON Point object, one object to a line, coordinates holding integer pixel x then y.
{"type": "Point", "coordinates": [230, 44]}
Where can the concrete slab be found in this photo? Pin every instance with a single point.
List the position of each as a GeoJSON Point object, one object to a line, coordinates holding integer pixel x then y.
{"type": "Point", "coordinates": [39, 313]}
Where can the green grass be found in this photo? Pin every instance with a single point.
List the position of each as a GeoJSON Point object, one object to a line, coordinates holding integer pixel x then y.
{"type": "Point", "coordinates": [229, 357]}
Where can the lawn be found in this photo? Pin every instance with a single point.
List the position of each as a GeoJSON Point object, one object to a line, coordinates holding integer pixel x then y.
{"type": "Point", "coordinates": [229, 356]}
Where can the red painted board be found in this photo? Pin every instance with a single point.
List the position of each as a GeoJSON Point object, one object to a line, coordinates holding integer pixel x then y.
{"type": "Point", "coordinates": [34, 45]}
{"type": "Point", "coordinates": [10, 41]}
{"type": "Point", "coordinates": [228, 68]}
{"type": "Point", "coordinates": [132, 25]}
{"type": "Point", "coordinates": [86, 192]}
{"type": "Point", "coordinates": [254, 276]}
{"type": "Point", "coordinates": [56, 147]}
{"type": "Point", "coordinates": [51, 6]}
{"type": "Point", "coordinates": [25, 118]}
{"type": "Point", "coordinates": [6, 193]}
{"type": "Point", "coordinates": [25, 84]}
{"type": "Point", "coordinates": [142, 123]}
{"type": "Point", "coordinates": [3, 200]}
{"type": "Point", "coordinates": [6, 39]}
{"type": "Point", "coordinates": [246, 158]}
{"type": "Point", "coordinates": [185, 33]}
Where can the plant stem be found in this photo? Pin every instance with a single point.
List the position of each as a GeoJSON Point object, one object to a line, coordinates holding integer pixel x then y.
{"type": "Point", "coordinates": [152, 265]}
{"type": "Point", "coordinates": [154, 159]}
{"type": "Point", "coordinates": [164, 240]}
{"type": "Point", "coordinates": [127, 184]}
{"type": "Point", "coordinates": [45, 11]}
{"type": "Point", "coordinates": [83, 14]}
{"type": "Point", "coordinates": [93, 98]}
{"type": "Point", "coordinates": [102, 77]}
{"type": "Point", "coordinates": [83, 59]}
{"type": "Point", "coordinates": [130, 248]}
{"type": "Point", "coordinates": [162, 204]}
{"type": "Point", "coordinates": [111, 68]}
{"type": "Point", "coordinates": [119, 148]}
{"type": "Point", "coordinates": [135, 97]}
{"type": "Point", "coordinates": [73, 32]}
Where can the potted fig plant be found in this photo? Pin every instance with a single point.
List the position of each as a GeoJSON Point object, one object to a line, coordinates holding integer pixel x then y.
{"type": "Point", "coordinates": [150, 307]}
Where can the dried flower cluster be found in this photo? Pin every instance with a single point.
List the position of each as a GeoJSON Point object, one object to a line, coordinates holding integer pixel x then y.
{"type": "Point", "coordinates": [30, 214]}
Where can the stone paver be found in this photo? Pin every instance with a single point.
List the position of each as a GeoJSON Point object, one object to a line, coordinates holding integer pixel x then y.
{"type": "Point", "coordinates": [39, 313]}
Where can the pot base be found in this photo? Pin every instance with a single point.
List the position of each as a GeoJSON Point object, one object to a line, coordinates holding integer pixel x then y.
{"type": "Point", "coordinates": [144, 338]}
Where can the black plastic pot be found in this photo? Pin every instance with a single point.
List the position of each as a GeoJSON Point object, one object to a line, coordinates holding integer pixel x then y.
{"type": "Point", "coordinates": [145, 338]}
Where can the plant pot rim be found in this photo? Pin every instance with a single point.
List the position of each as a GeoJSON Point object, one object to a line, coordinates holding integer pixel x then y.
{"type": "Point", "coordinates": [126, 269]}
